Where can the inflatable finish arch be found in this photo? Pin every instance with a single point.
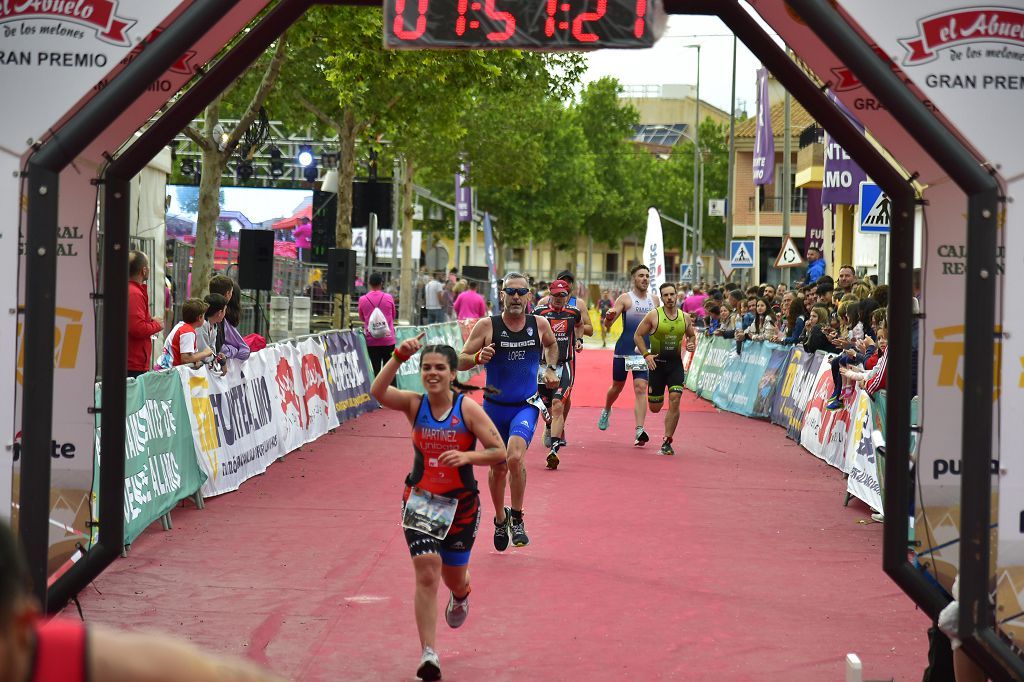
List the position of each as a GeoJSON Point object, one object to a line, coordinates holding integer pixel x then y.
{"type": "Point", "coordinates": [821, 34]}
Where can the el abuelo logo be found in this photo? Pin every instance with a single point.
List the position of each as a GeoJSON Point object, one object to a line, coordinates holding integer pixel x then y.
{"type": "Point", "coordinates": [99, 15]}
{"type": "Point", "coordinates": [957, 27]}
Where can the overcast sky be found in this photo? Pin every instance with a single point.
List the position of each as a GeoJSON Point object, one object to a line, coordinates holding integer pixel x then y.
{"type": "Point", "coordinates": [670, 62]}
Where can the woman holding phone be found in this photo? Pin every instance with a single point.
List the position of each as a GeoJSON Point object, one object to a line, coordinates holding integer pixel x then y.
{"type": "Point", "coordinates": [441, 503]}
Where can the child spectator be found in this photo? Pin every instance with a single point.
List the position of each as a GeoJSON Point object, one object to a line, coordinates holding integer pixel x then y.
{"type": "Point", "coordinates": [181, 345]}
{"type": "Point", "coordinates": [763, 326]}
{"type": "Point", "coordinates": [210, 334]}
{"type": "Point", "coordinates": [818, 337]}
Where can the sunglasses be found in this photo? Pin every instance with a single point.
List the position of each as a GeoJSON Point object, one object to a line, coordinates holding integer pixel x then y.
{"type": "Point", "coordinates": [522, 291]}
{"type": "Point", "coordinates": [561, 295]}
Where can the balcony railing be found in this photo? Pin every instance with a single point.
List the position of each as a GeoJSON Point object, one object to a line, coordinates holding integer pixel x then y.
{"type": "Point", "coordinates": [774, 204]}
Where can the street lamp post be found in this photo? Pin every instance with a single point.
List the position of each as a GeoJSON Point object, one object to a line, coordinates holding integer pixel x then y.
{"type": "Point", "coordinates": [698, 203]}
{"type": "Point", "coordinates": [698, 214]}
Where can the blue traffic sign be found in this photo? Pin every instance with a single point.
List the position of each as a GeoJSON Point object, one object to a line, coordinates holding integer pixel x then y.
{"type": "Point", "coordinates": [875, 209]}
{"type": "Point", "coordinates": [685, 274]}
{"type": "Point", "coordinates": [741, 253]}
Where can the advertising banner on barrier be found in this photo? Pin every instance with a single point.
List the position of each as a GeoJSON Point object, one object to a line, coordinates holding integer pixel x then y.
{"type": "Point", "coordinates": [697, 362]}
{"type": "Point", "coordinates": [738, 387]}
{"type": "Point", "coordinates": [864, 482]}
{"type": "Point", "coordinates": [160, 457]}
{"type": "Point", "coordinates": [348, 374]}
{"type": "Point", "coordinates": [824, 431]}
{"type": "Point", "coordinates": [770, 380]}
{"type": "Point", "coordinates": [305, 410]}
{"type": "Point", "coordinates": [795, 391]}
{"type": "Point", "coordinates": [721, 354]}
{"type": "Point", "coordinates": [233, 420]}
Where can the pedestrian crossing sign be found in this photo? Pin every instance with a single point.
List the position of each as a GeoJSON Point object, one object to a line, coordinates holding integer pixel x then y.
{"type": "Point", "coordinates": [741, 253]}
{"type": "Point", "coordinates": [685, 272]}
{"type": "Point", "coordinates": [875, 209]}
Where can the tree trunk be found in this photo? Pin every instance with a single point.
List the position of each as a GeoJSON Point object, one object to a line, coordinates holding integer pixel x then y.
{"type": "Point", "coordinates": [343, 222]}
{"type": "Point", "coordinates": [554, 262]}
{"type": "Point", "coordinates": [209, 207]}
{"type": "Point", "coordinates": [409, 259]}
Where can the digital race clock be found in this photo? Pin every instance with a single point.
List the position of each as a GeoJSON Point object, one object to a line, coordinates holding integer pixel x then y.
{"type": "Point", "coordinates": [522, 24]}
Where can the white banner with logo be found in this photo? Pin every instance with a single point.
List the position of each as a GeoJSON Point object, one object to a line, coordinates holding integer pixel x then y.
{"type": "Point", "coordinates": [233, 420]}
{"type": "Point", "coordinates": [654, 249]}
{"type": "Point", "coordinates": [304, 407]}
{"type": "Point", "coordinates": [824, 431]}
{"type": "Point", "coordinates": [966, 58]}
{"type": "Point", "coordinates": [77, 267]}
{"type": "Point", "coordinates": [863, 483]}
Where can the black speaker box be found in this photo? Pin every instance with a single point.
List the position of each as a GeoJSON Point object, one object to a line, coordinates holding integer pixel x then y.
{"type": "Point", "coordinates": [341, 270]}
{"type": "Point", "coordinates": [477, 272]}
{"type": "Point", "coordinates": [325, 219]}
{"type": "Point", "coordinates": [256, 259]}
{"type": "Point", "coordinates": [371, 197]}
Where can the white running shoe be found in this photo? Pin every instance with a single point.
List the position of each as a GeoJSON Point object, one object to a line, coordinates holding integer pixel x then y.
{"type": "Point", "coordinates": [430, 665]}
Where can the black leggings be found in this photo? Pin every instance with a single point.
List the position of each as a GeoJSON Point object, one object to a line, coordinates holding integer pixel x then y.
{"type": "Point", "coordinates": [379, 356]}
{"type": "Point", "coordinates": [841, 360]}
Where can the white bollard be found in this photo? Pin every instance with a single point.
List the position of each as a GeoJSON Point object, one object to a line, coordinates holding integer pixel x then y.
{"type": "Point", "coordinates": [854, 670]}
{"type": "Point", "coordinates": [300, 315]}
{"type": "Point", "coordinates": [279, 306]}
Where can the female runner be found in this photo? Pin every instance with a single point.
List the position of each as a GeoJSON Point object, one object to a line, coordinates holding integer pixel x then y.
{"type": "Point", "coordinates": [441, 505]}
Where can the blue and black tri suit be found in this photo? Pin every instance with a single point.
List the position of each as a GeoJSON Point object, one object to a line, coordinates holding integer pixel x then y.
{"type": "Point", "coordinates": [513, 371]}
{"type": "Point", "coordinates": [431, 437]}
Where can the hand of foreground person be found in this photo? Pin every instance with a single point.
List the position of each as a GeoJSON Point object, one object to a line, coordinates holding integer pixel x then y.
{"type": "Point", "coordinates": [455, 458]}
{"type": "Point", "coordinates": [410, 347]}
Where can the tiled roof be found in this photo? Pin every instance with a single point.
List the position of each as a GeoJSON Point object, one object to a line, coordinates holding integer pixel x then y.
{"type": "Point", "coordinates": [799, 119]}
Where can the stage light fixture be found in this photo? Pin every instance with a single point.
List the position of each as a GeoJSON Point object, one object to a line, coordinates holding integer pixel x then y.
{"type": "Point", "coordinates": [244, 170]}
{"type": "Point", "coordinates": [310, 172]}
{"type": "Point", "coordinates": [188, 167]}
{"type": "Point", "coordinates": [305, 156]}
{"type": "Point", "coordinates": [276, 164]}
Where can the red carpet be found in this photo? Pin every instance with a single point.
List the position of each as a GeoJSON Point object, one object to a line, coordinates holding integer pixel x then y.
{"type": "Point", "coordinates": [734, 560]}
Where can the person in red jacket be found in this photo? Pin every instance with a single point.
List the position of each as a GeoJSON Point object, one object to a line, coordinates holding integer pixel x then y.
{"type": "Point", "coordinates": [141, 325]}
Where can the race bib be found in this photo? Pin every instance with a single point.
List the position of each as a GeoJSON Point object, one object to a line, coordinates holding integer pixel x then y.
{"type": "Point", "coordinates": [636, 363]}
{"type": "Point", "coordinates": [429, 513]}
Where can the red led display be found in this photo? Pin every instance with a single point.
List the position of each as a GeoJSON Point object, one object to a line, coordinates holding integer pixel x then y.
{"type": "Point", "coordinates": [547, 25]}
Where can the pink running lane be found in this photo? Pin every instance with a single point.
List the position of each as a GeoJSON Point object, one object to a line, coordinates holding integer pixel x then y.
{"type": "Point", "coordinates": [733, 560]}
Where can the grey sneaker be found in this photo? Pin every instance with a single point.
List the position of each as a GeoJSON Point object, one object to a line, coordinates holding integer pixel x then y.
{"type": "Point", "coordinates": [457, 611]}
{"type": "Point", "coordinates": [430, 665]}
{"type": "Point", "coordinates": [666, 447]}
{"type": "Point", "coordinates": [518, 531]}
{"type": "Point", "coordinates": [602, 421]}
{"type": "Point", "coordinates": [547, 436]}
{"type": "Point", "coordinates": [501, 531]}
{"type": "Point", "coordinates": [641, 436]}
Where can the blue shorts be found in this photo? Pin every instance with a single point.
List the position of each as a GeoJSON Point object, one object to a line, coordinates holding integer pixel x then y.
{"type": "Point", "coordinates": [619, 371]}
{"type": "Point", "coordinates": [513, 420]}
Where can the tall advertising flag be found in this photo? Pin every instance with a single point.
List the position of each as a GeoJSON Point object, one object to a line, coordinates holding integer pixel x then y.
{"type": "Point", "coordinates": [654, 249]}
{"type": "Point", "coordinates": [463, 197]}
{"type": "Point", "coordinates": [492, 262]}
{"type": "Point", "coordinates": [764, 138]}
{"type": "Point", "coordinates": [842, 174]}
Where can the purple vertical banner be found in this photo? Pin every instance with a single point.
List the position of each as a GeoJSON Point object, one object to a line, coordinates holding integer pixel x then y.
{"type": "Point", "coordinates": [815, 232]}
{"type": "Point", "coordinates": [841, 184]}
{"type": "Point", "coordinates": [764, 138]}
{"type": "Point", "coordinates": [492, 262]}
{"type": "Point", "coordinates": [463, 197]}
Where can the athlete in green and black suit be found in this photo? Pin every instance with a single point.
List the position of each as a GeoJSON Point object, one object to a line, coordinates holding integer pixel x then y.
{"type": "Point", "coordinates": [667, 326]}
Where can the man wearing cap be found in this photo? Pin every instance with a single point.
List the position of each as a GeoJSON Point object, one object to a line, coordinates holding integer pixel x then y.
{"type": "Point", "coordinates": [567, 324]}
{"type": "Point", "coordinates": [586, 330]}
